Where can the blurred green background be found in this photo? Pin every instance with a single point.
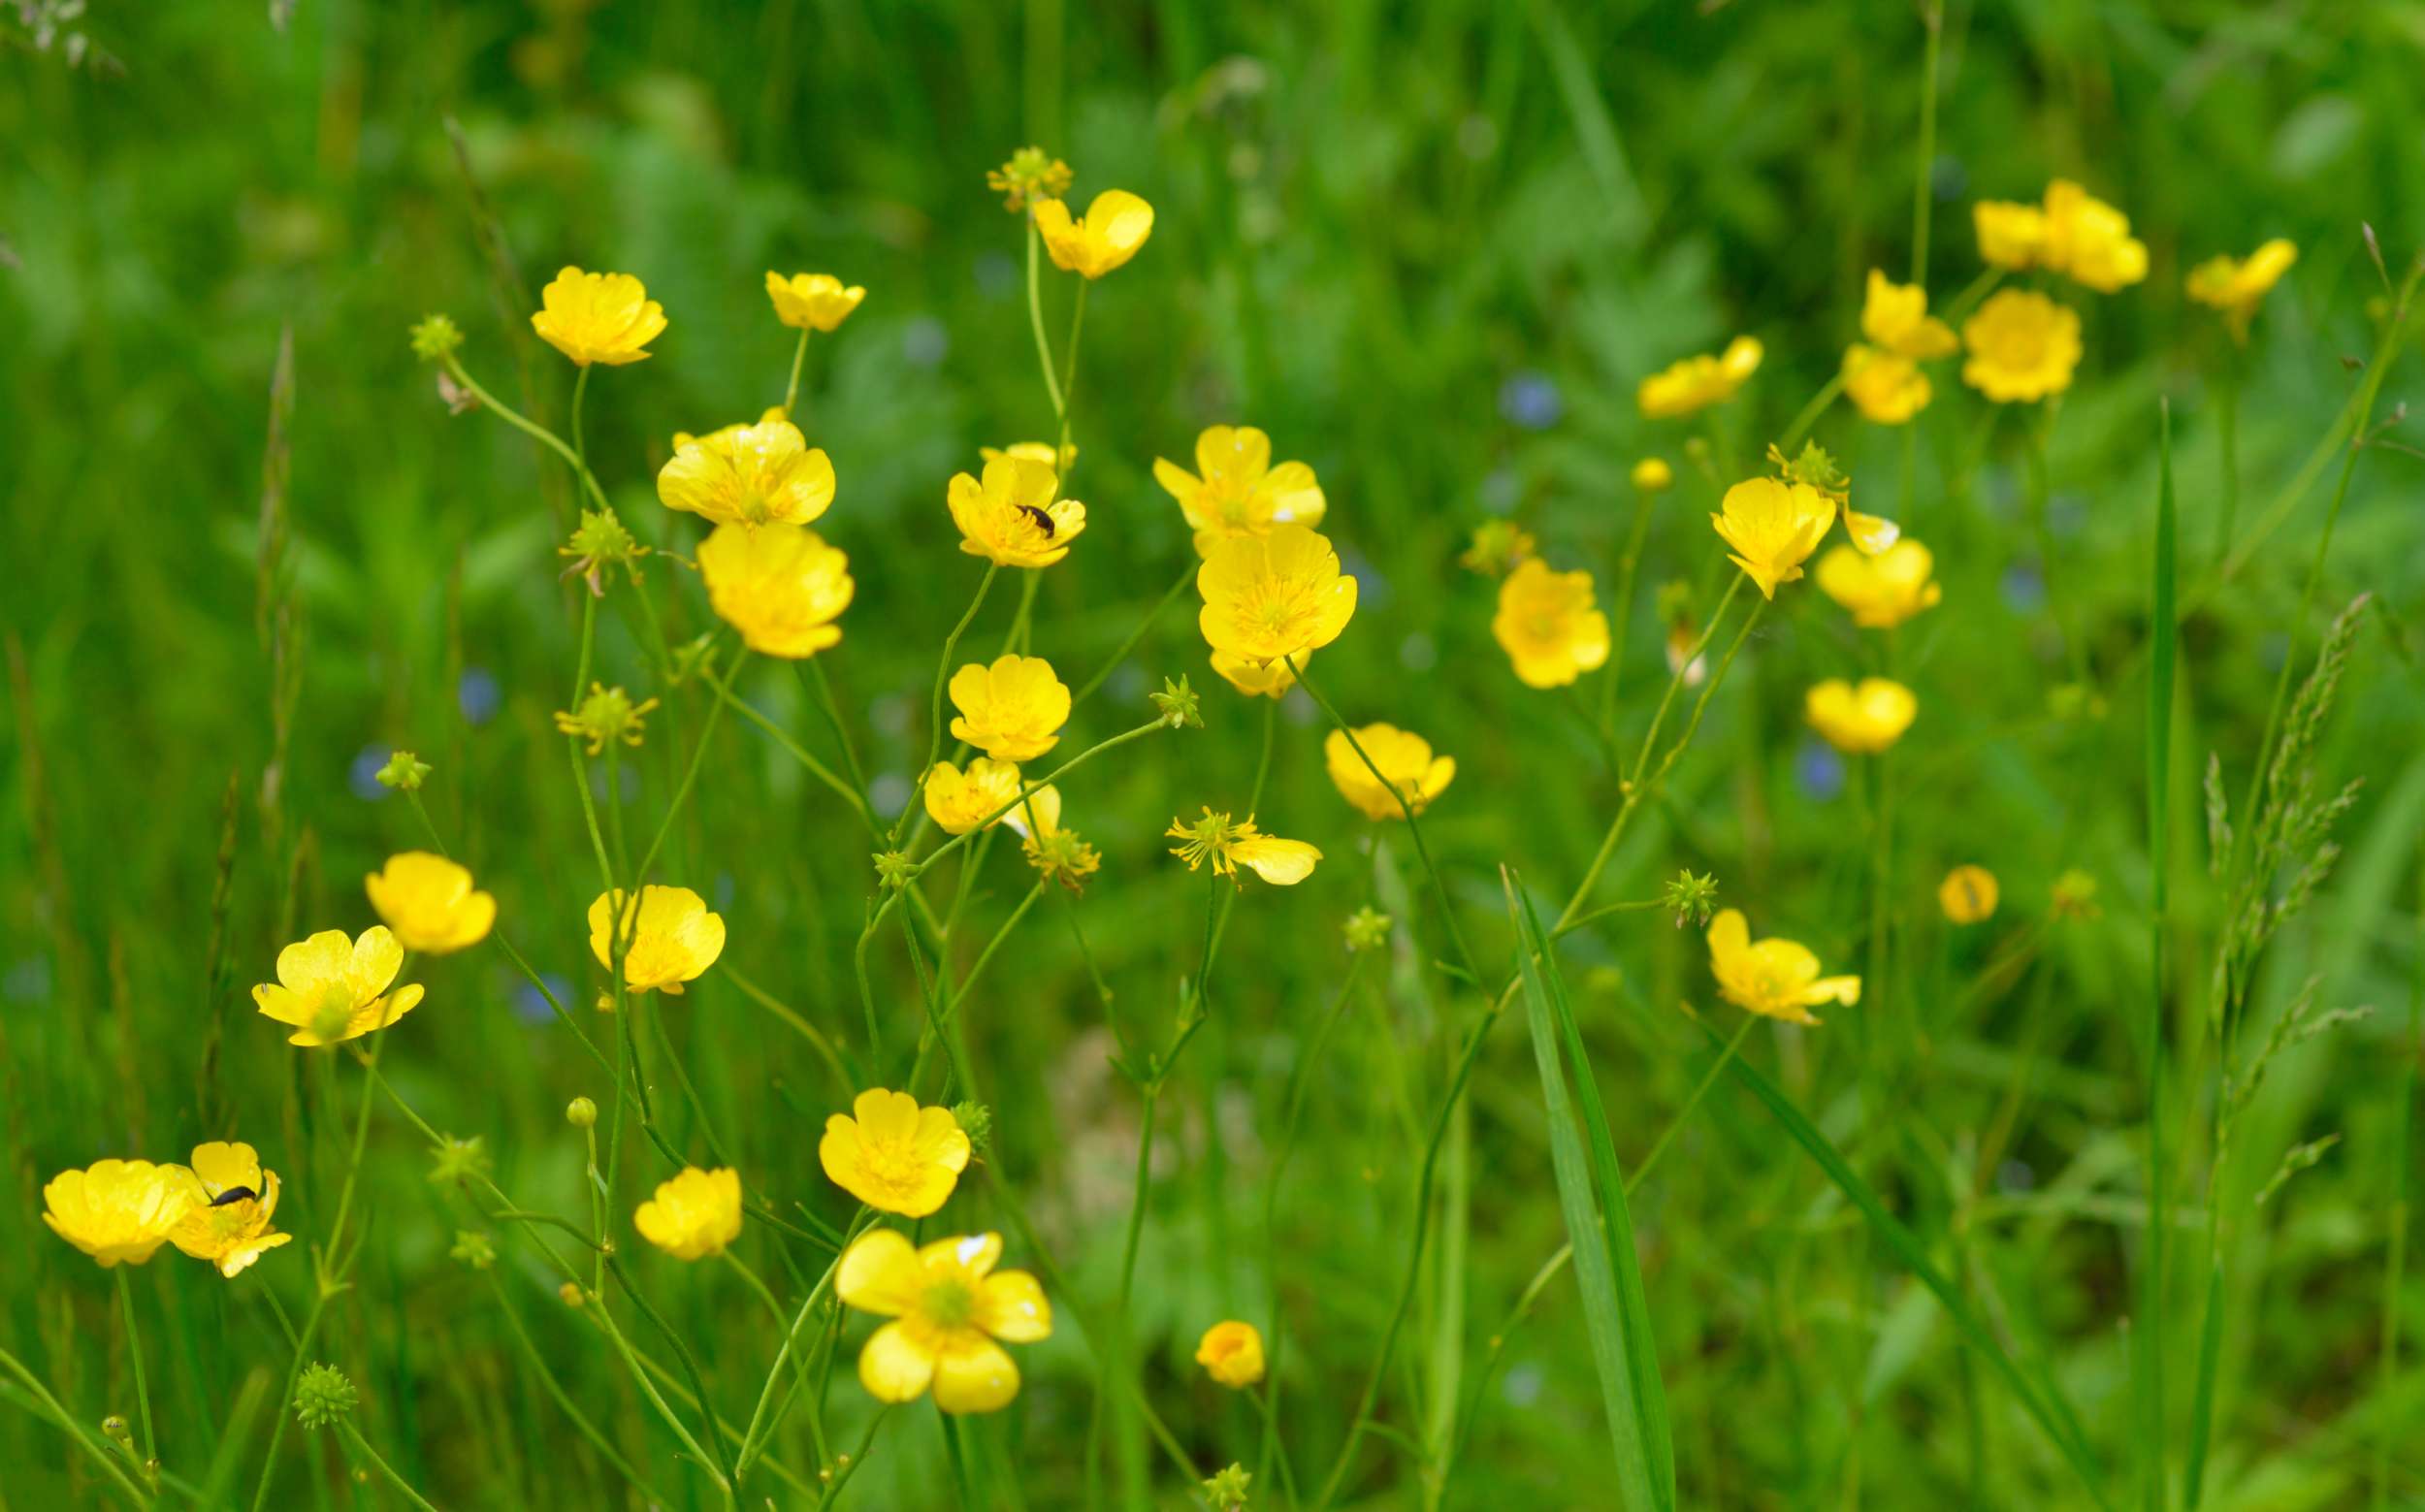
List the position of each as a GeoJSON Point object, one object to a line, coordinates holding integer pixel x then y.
{"type": "Point", "coordinates": [1431, 248]}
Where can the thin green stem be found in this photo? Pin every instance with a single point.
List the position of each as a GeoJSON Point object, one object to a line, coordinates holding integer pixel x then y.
{"type": "Point", "coordinates": [580, 393]}
{"type": "Point", "coordinates": [1621, 609]}
{"type": "Point", "coordinates": [1924, 173]}
{"type": "Point", "coordinates": [135, 1355]}
{"type": "Point", "coordinates": [527, 426]}
{"type": "Point", "coordinates": [943, 674]}
{"type": "Point", "coordinates": [286, 1398]}
{"type": "Point", "coordinates": [793, 748]}
{"type": "Point", "coordinates": [361, 1446]}
{"type": "Point", "coordinates": [1063, 458]}
{"type": "Point", "coordinates": [1110, 663]}
{"type": "Point", "coordinates": [1035, 320]}
{"type": "Point", "coordinates": [791, 390]}
{"type": "Point", "coordinates": [563, 1399]}
{"type": "Point", "coordinates": [73, 1429]}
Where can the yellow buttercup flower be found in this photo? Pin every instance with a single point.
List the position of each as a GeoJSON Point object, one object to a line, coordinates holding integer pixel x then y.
{"type": "Point", "coordinates": [960, 801]}
{"type": "Point", "coordinates": [598, 317]}
{"type": "Point", "coordinates": [1228, 846]}
{"type": "Point", "coordinates": [812, 301]}
{"type": "Point", "coordinates": [2011, 235]}
{"type": "Point", "coordinates": [1894, 318]}
{"type": "Point", "coordinates": [330, 987]}
{"type": "Point", "coordinates": [694, 1215]}
{"type": "Point", "coordinates": [1239, 492]}
{"type": "Point", "coordinates": [1697, 382]}
{"type": "Point", "coordinates": [893, 1154]}
{"type": "Point", "coordinates": [1270, 597]}
{"type": "Point", "coordinates": [119, 1211]}
{"type": "Point", "coordinates": [1258, 679]}
{"type": "Point", "coordinates": [2236, 287]}
{"type": "Point", "coordinates": [1886, 389]}
{"type": "Point", "coordinates": [951, 1313]}
{"type": "Point", "coordinates": [1058, 458]}
{"type": "Point", "coordinates": [1013, 711]}
{"type": "Point", "coordinates": [1115, 226]}
{"type": "Point", "coordinates": [1772, 527]}
{"type": "Point", "coordinates": [1232, 1354]}
{"type": "Point", "coordinates": [675, 938]}
{"type": "Point", "coordinates": [750, 475]}
{"type": "Point", "coordinates": [1968, 895]}
{"type": "Point", "coordinates": [1060, 854]}
{"type": "Point", "coordinates": [780, 586]}
{"type": "Point", "coordinates": [1861, 719]}
{"type": "Point", "coordinates": [2023, 347]}
{"type": "Point", "coordinates": [1548, 626]}
{"type": "Point", "coordinates": [1777, 979]}
{"type": "Point", "coordinates": [429, 903]}
{"type": "Point", "coordinates": [1406, 760]}
{"type": "Point", "coordinates": [1011, 516]}
{"type": "Point", "coordinates": [1882, 590]}
{"type": "Point", "coordinates": [1653, 475]}
{"type": "Point", "coordinates": [724, 434]}
{"type": "Point", "coordinates": [2091, 240]}
{"type": "Point", "coordinates": [231, 1225]}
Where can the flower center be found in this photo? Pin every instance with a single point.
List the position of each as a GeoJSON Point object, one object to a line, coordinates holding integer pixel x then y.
{"type": "Point", "coordinates": [949, 1301]}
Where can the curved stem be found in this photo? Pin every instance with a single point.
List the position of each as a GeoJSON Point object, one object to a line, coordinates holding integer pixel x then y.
{"type": "Point", "coordinates": [1111, 664]}
{"type": "Point", "coordinates": [791, 390]}
{"type": "Point", "coordinates": [1035, 320]}
{"type": "Point", "coordinates": [527, 426]}
{"type": "Point", "coordinates": [943, 674]}
{"type": "Point", "coordinates": [361, 1446]}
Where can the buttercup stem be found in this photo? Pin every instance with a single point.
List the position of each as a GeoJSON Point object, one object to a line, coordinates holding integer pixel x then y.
{"type": "Point", "coordinates": [1035, 321]}
{"type": "Point", "coordinates": [580, 393]}
{"type": "Point", "coordinates": [361, 1446]}
{"type": "Point", "coordinates": [791, 390]}
{"type": "Point", "coordinates": [143, 1389]}
{"type": "Point", "coordinates": [70, 1426]}
{"type": "Point", "coordinates": [943, 675]}
{"type": "Point", "coordinates": [1111, 664]}
{"type": "Point", "coordinates": [529, 428]}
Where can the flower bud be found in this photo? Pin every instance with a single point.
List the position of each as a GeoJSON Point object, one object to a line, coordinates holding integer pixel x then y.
{"type": "Point", "coordinates": [581, 1113]}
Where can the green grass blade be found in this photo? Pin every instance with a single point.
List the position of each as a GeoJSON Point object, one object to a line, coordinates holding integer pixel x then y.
{"type": "Point", "coordinates": [2148, 1375]}
{"type": "Point", "coordinates": [2038, 1397]}
{"type": "Point", "coordinates": [1615, 1310]}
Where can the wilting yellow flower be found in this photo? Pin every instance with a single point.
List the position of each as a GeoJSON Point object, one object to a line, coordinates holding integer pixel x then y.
{"type": "Point", "coordinates": [1228, 846]}
{"type": "Point", "coordinates": [1240, 492]}
{"type": "Point", "coordinates": [1886, 389]}
{"type": "Point", "coordinates": [230, 1227]}
{"type": "Point", "coordinates": [1232, 1354]}
{"type": "Point", "coordinates": [1115, 226]}
{"type": "Point", "coordinates": [2237, 287]}
{"type": "Point", "coordinates": [1777, 979]}
{"type": "Point", "coordinates": [2023, 347]}
{"type": "Point", "coordinates": [1058, 853]}
{"type": "Point", "coordinates": [1861, 719]}
{"type": "Point", "coordinates": [1697, 382]}
{"type": "Point", "coordinates": [674, 937]}
{"type": "Point", "coordinates": [780, 586]}
{"type": "Point", "coordinates": [750, 475]}
{"type": "Point", "coordinates": [1882, 590]}
{"type": "Point", "coordinates": [1406, 760]}
{"type": "Point", "coordinates": [119, 1211]}
{"type": "Point", "coordinates": [2091, 240]}
{"type": "Point", "coordinates": [949, 1307]}
{"type": "Point", "coordinates": [1894, 318]}
{"type": "Point", "coordinates": [1772, 527]}
{"type": "Point", "coordinates": [960, 801]}
{"type": "Point", "coordinates": [1653, 475]}
{"type": "Point", "coordinates": [1011, 516]}
{"type": "Point", "coordinates": [330, 987]}
{"type": "Point", "coordinates": [1257, 679]}
{"type": "Point", "coordinates": [1548, 626]}
{"type": "Point", "coordinates": [1274, 596]}
{"type": "Point", "coordinates": [1031, 174]}
{"type": "Point", "coordinates": [1968, 895]}
{"type": "Point", "coordinates": [429, 903]}
{"type": "Point", "coordinates": [894, 1155]}
{"type": "Point", "coordinates": [598, 317]}
{"type": "Point", "coordinates": [2011, 235]}
{"type": "Point", "coordinates": [606, 715]}
{"type": "Point", "coordinates": [1013, 711]}
{"type": "Point", "coordinates": [812, 301]}
{"type": "Point", "coordinates": [694, 1215]}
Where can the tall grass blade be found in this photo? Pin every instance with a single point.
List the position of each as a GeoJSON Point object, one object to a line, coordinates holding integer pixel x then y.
{"type": "Point", "coordinates": [1591, 1192]}
{"type": "Point", "coordinates": [2148, 1375]}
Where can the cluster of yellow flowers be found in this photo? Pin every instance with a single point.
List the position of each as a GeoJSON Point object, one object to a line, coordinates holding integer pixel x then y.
{"type": "Point", "coordinates": [218, 1207]}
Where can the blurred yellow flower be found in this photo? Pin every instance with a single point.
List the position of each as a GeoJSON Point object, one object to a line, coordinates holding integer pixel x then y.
{"type": "Point", "coordinates": [1258, 679]}
{"type": "Point", "coordinates": [749, 475]}
{"type": "Point", "coordinates": [1697, 382]}
{"type": "Point", "coordinates": [948, 1307]}
{"type": "Point", "coordinates": [1058, 853]}
{"type": "Point", "coordinates": [812, 301]}
{"type": "Point", "coordinates": [598, 317]}
{"type": "Point", "coordinates": [2236, 287]}
{"type": "Point", "coordinates": [1886, 389]}
{"type": "Point", "coordinates": [1012, 518]}
{"type": "Point", "coordinates": [1115, 226]}
{"type": "Point", "coordinates": [2091, 240]}
{"type": "Point", "coordinates": [1548, 626]}
{"type": "Point", "coordinates": [1274, 596]}
{"type": "Point", "coordinates": [960, 801]}
{"type": "Point", "coordinates": [1772, 527]}
{"type": "Point", "coordinates": [1232, 1354]}
{"type": "Point", "coordinates": [1861, 719]}
{"type": "Point", "coordinates": [2011, 235]}
{"type": "Point", "coordinates": [1894, 318]}
{"type": "Point", "coordinates": [1228, 846]}
{"type": "Point", "coordinates": [1968, 895]}
{"type": "Point", "coordinates": [1240, 492]}
{"type": "Point", "coordinates": [1776, 978]}
{"type": "Point", "coordinates": [893, 1155]}
{"type": "Point", "coordinates": [780, 586]}
{"type": "Point", "coordinates": [119, 1211]}
{"type": "Point", "coordinates": [675, 938]}
{"type": "Point", "coordinates": [694, 1215]}
{"type": "Point", "coordinates": [1653, 475]}
{"type": "Point", "coordinates": [2023, 347]}
{"type": "Point", "coordinates": [427, 902]}
{"type": "Point", "coordinates": [1405, 758]}
{"type": "Point", "coordinates": [329, 987]}
{"type": "Point", "coordinates": [1497, 548]}
{"type": "Point", "coordinates": [230, 1227]}
{"type": "Point", "coordinates": [1061, 460]}
{"type": "Point", "coordinates": [1882, 590]}
{"type": "Point", "coordinates": [1013, 711]}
